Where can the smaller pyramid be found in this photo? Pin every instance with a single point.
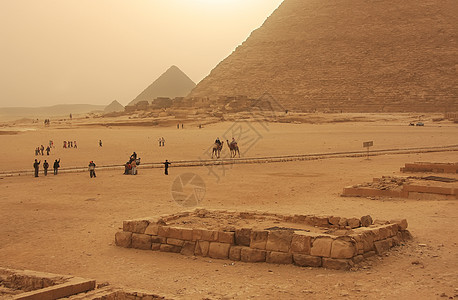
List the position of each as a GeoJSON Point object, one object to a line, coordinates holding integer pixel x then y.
{"type": "Point", "coordinates": [173, 83]}
{"type": "Point", "coordinates": [114, 106]}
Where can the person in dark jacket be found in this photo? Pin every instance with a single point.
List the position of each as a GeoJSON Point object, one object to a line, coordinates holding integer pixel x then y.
{"type": "Point", "coordinates": [45, 167]}
{"type": "Point", "coordinates": [56, 166]}
{"type": "Point", "coordinates": [36, 164]}
{"type": "Point", "coordinates": [92, 169]}
{"type": "Point", "coordinates": [166, 167]}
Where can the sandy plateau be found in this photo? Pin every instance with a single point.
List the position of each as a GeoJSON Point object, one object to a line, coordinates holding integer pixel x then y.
{"type": "Point", "coordinates": [66, 224]}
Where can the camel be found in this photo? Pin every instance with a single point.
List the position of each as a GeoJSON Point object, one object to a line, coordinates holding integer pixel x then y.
{"type": "Point", "coordinates": [234, 149]}
{"type": "Point", "coordinates": [217, 149]}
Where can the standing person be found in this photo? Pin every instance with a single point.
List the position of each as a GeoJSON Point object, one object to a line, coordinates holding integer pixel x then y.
{"type": "Point", "coordinates": [160, 142]}
{"type": "Point", "coordinates": [47, 150]}
{"type": "Point", "coordinates": [56, 166]}
{"type": "Point", "coordinates": [100, 143]}
{"type": "Point", "coordinates": [45, 167]}
{"type": "Point", "coordinates": [36, 164]}
{"type": "Point", "coordinates": [163, 141]}
{"type": "Point", "coordinates": [42, 148]}
{"type": "Point", "coordinates": [166, 167]}
{"type": "Point", "coordinates": [65, 144]}
{"type": "Point", "coordinates": [182, 125]}
{"type": "Point", "coordinates": [74, 144]}
{"type": "Point", "coordinates": [178, 126]}
{"type": "Point", "coordinates": [133, 164]}
{"type": "Point", "coordinates": [92, 169]}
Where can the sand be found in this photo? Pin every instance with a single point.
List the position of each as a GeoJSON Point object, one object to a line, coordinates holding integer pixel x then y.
{"type": "Point", "coordinates": [66, 224]}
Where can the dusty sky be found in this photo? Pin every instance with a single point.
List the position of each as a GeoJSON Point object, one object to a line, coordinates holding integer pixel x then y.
{"type": "Point", "coordinates": [96, 51]}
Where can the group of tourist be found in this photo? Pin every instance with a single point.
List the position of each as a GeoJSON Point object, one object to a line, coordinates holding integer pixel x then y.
{"type": "Point", "coordinates": [161, 142]}
{"type": "Point", "coordinates": [36, 166]}
{"type": "Point", "coordinates": [47, 122]}
{"type": "Point", "coordinates": [70, 144]}
{"type": "Point", "coordinates": [40, 150]}
{"type": "Point", "coordinates": [130, 167]}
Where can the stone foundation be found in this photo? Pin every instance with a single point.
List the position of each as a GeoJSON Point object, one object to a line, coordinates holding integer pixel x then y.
{"type": "Point", "coordinates": [431, 167]}
{"type": "Point", "coordinates": [304, 240]}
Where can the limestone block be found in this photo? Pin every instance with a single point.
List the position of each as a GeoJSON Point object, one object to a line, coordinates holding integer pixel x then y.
{"type": "Point", "coordinates": [279, 240]}
{"type": "Point", "coordinates": [368, 254]}
{"type": "Point", "coordinates": [358, 259]}
{"type": "Point", "coordinates": [301, 242]}
{"type": "Point", "coordinates": [405, 235]}
{"type": "Point", "coordinates": [209, 235]}
{"type": "Point", "coordinates": [176, 242]}
{"type": "Point", "coordinates": [158, 239]}
{"type": "Point", "coordinates": [152, 229]}
{"type": "Point", "coordinates": [258, 239]}
{"type": "Point", "coordinates": [337, 264]}
{"type": "Point", "coordinates": [382, 246]}
{"type": "Point", "coordinates": [186, 234]}
{"type": "Point", "coordinates": [188, 248]}
{"type": "Point", "coordinates": [141, 241]}
{"type": "Point", "coordinates": [242, 236]}
{"type": "Point", "coordinates": [135, 226]}
{"type": "Point", "coordinates": [174, 233]}
{"type": "Point", "coordinates": [304, 260]}
{"type": "Point", "coordinates": [163, 231]}
{"type": "Point", "coordinates": [202, 248]}
{"type": "Point", "coordinates": [402, 223]}
{"type": "Point", "coordinates": [354, 223]}
{"type": "Point", "coordinates": [219, 250]}
{"type": "Point", "coordinates": [322, 221]}
{"type": "Point", "coordinates": [343, 248]}
{"type": "Point", "coordinates": [367, 238]}
{"type": "Point", "coordinates": [226, 237]}
{"type": "Point", "coordinates": [123, 239]}
{"type": "Point", "coordinates": [274, 257]}
{"type": "Point", "coordinates": [299, 219]}
{"type": "Point", "coordinates": [252, 255]}
{"type": "Point", "coordinates": [334, 220]}
{"type": "Point", "coordinates": [155, 246]}
{"type": "Point", "coordinates": [321, 246]}
{"type": "Point", "coordinates": [366, 221]}
{"type": "Point", "coordinates": [343, 222]}
{"type": "Point", "coordinates": [234, 253]}
{"type": "Point", "coordinates": [197, 234]}
{"type": "Point", "coordinates": [170, 248]}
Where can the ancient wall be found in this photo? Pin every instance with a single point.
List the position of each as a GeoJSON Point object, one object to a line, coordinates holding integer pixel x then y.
{"type": "Point", "coordinates": [354, 56]}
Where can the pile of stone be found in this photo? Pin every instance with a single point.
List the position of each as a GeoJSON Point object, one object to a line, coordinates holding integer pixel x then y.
{"type": "Point", "coordinates": [281, 246]}
{"type": "Point", "coordinates": [385, 183]}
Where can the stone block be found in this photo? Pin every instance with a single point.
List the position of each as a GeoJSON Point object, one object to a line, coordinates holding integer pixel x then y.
{"type": "Point", "coordinates": [219, 250]}
{"type": "Point", "coordinates": [155, 246]}
{"type": "Point", "coordinates": [135, 226]}
{"type": "Point", "coordinates": [175, 233]}
{"type": "Point", "coordinates": [334, 220]}
{"type": "Point", "coordinates": [123, 239]}
{"type": "Point", "coordinates": [405, 235]}
{"type": "Point", "coordinates": [354, 222]}
{"type": "Point", "coordinates": [402, 223]}
{"type": "Point", "coordinates": [384, 232]}
{"type": "Point", "coordinates": [152, 229]}
{"type": "Point", "coordinates": [170, 248]}
{"type": "Point", "coordinates": [322, 221]}
{"type": "Point", "coordinates": [301, 242]}
{"type": "Point", "coordinates": [176, 242]}
{"type": "Point", "coordinates": [343, 222]}
{"type": "Point", "coordinates": [343, 248]}
{"type": "Point", "coordinates": [209, 235]}
{"type": "Point", "coordinates": [358, 259]}
{"type": "Point", "coordinates": [337, 264]}
{"type": "Point", "coordinates": [202, 248]}
{"type": "Point", "coordinates": [188, 248]}
{"type": "Point", "coordinates": [321, 246]}
{"type": "Point", "coordinates": [226, 237]}
{"type": "Point", "coordinates": [242, 237]}
{"type": "Point", "coordinates": [234, 253]}
{"type": "Point", "coordinates": [382, 246]}
{"type": "Point", "coordinates": [186, 234]}
{"type": "Point", "coordinates": [158, 239]}
{"type": "Point", "coordinates": [252, 255]}
{"type": "Point", "coordinates": [141, 241]}
{"type": "Point", "coordinates": [274, 257]}
{"type": "Point", "coordinates": [279, 240]}
{"type": "Point", "coordinates": [366, 221]}
{"type": "Point", "coordinates": [305, 260]}
{"type": "Point", "coordinates": [258, 239]}
{"type": "Point", "coordinates": [197, 234]}
{"type": "Point", "coordinates": [368, 254]}
{"type": "Point", "coordinates": [163, 231]}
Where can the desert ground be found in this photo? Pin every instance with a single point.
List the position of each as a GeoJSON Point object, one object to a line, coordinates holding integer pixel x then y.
{"type": "Point", "coordinates": [65, 224]}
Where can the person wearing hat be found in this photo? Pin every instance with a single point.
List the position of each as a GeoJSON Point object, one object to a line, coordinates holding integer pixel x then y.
{"type": "Point", "coordinates": [92, 169]}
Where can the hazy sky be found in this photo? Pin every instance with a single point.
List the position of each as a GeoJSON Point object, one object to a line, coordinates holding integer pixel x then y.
{"type": "Point", "coordinates": [96, 51]}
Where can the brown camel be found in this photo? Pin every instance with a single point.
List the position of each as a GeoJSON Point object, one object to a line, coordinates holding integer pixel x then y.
{"type": "Point", "coordinates": [234, 149]}
{"type": "Point", "coordinates": [217, 149]}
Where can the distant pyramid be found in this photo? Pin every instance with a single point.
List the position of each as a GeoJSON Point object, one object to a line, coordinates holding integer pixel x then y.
{"type": "Point", "coordinates": [173, 83]}
{"type": "Point", "coordinates": [114, 106]}
{"type": "Point", "coordinates": [354, 56]}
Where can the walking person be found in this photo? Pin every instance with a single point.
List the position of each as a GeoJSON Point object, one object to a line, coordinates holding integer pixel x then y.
{"type": "Point", "coordinates": [74, 145]}
{"type": "Point", "coordinates": [133, 165]}
{"type": "Point", "coordinates": [166, 167]}
{"type": "Point", "coordinates": [36, 164]}
{"type": "Point", "coordinates": [42, 148]}
{"type": "Point", "coordinates": [163, 141]}
{"type": "Point", "coordinates": [56, 166]}
{"type": "Point", "coordinates": [92, 169]}
{"type": "Point", "coordinates": [65, 144]}
{"type": "Point", "coordinates": [47, 150]}
{"type": "Point", "coordinates": [160, 142]}
{"type": "Point", "coordinates": [45, 167]}
{"type": "Point", "coordinates": [100, 143]}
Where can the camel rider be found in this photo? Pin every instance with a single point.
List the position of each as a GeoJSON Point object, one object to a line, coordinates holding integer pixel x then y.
{"type": "Point", "coordinates": [233, 142]}
{"type": "Point", "coordinates": [218, 141]}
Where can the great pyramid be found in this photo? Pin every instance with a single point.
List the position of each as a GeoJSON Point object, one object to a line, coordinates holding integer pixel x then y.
{"type": "Point", "coordinates": [173, 83]}
{"type": "Point", "coordinates": [356, 56]}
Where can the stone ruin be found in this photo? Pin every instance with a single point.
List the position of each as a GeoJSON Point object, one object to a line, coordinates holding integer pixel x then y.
{"type": "Point", "coordinates": [304, 240]}
{"type": "Point", "coordinates": [431, 167]}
